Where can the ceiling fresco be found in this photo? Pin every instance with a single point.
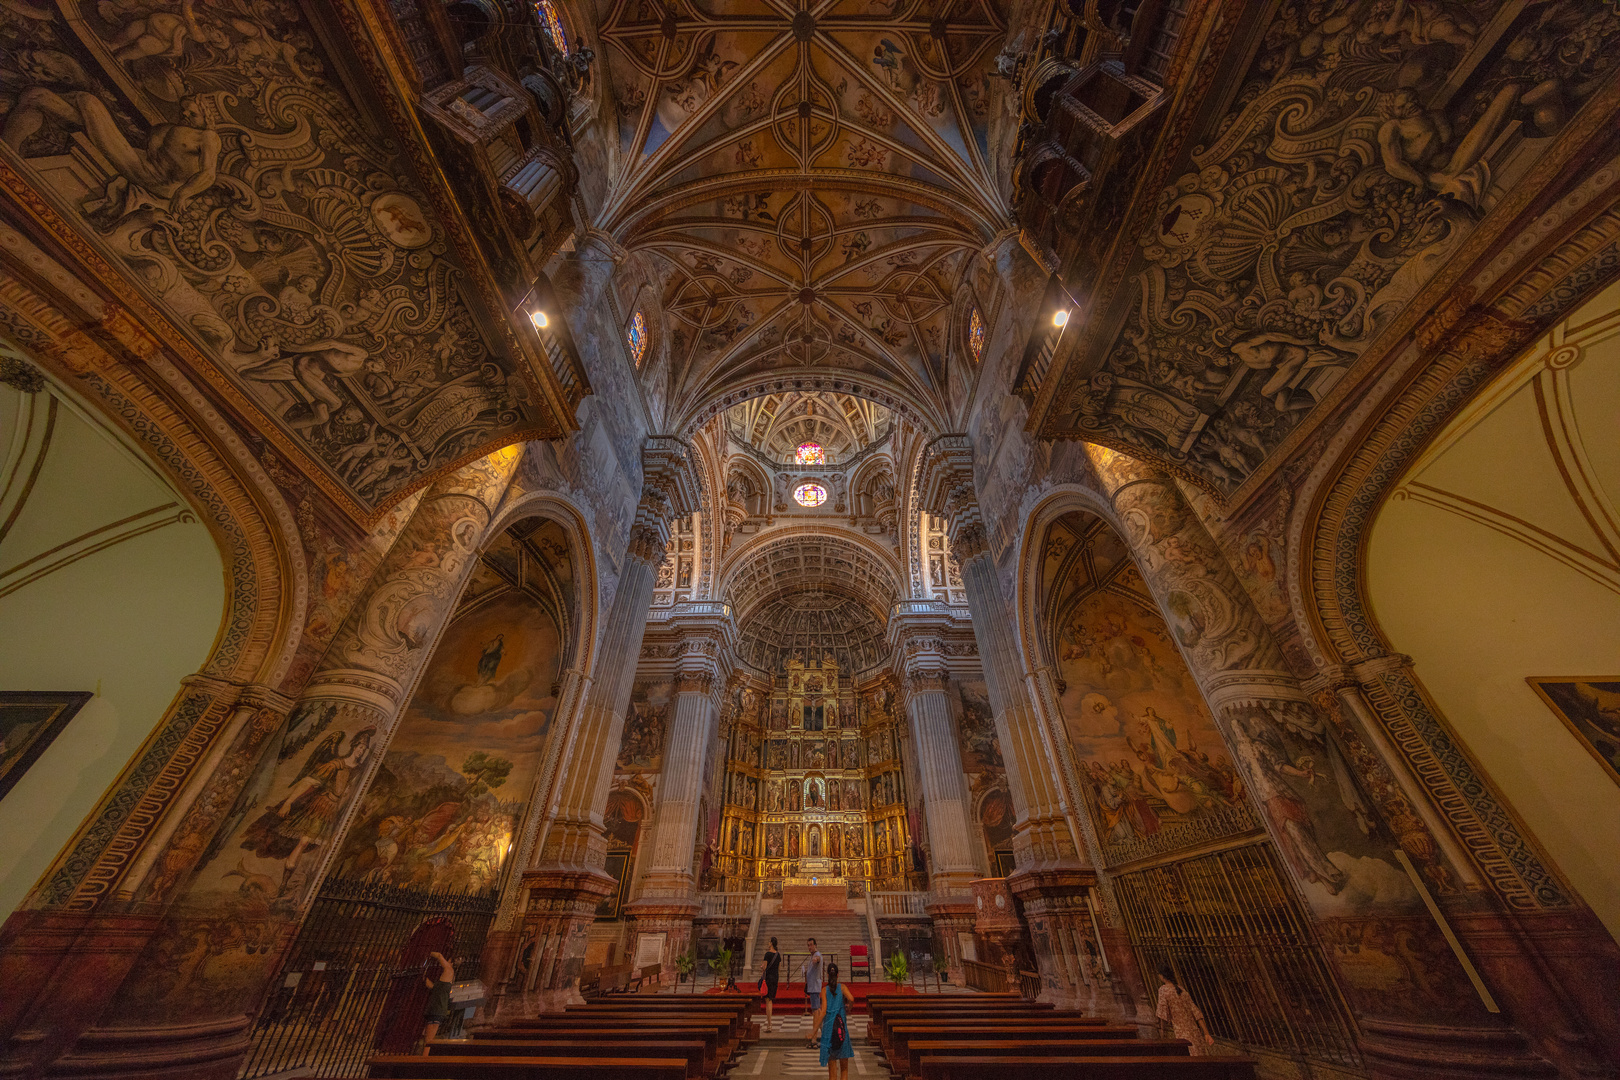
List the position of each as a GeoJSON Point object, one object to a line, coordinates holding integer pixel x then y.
{"type": "Point", "coordinates": [813, 178]}
{"type": "Point", "coordinates": [1366, 143]}
{"type": "Point", "coordinates": [216, 154]}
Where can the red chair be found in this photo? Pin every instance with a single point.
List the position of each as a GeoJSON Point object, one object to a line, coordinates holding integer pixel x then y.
{"type": "Point", "coordinates": [859, 962]}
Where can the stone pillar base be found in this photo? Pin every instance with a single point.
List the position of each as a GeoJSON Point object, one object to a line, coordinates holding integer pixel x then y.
{"type": "Point", "coordinates": [952, 914]}
{"type": "Point", "coordinates": [549, 958]}
{"type": "Point", "coordinates": [1056, 908]}
{"type": "Point", "coordinates": [672, 916]}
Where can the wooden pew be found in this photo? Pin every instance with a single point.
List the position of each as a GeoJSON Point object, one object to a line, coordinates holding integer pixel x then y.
{"type": "Point", "coordinates": [917, 1049]}
{"type": "Point", "coordinates": [1012, 1067]}
{"type": "Point", "coordinates": [694, 1051]}
{"type": "Point", "coordinates": [878, 1019]}
{"type": "Point", "coordinates": [901, 1035]}
{"type": "Point", "coordinates": [710, 1037]}
{"type": "Point", "coordinates": [422, 1067]}
{"type": "Point", "coordinates": [878, 1028]}
{"type": "Point", "coordinates": [734, 1017]}
{"type": "Point", "coordinates": [535, 1027]}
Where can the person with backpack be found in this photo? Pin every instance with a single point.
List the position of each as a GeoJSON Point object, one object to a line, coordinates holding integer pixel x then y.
{"type": "Point", "coordinates": [832, 1017]}
{"type": "Point", "coordinates": [1182, 1014]}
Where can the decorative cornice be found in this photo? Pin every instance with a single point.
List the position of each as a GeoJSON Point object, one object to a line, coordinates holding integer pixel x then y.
{"type": "Point", "coordinates": [694, 682]}
{"type": "Point", "coordinates": [927, 680]}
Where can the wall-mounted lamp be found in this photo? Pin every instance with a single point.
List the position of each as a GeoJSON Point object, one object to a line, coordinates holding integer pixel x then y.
{"type": "Point", "coordinates": [539, 319]}
{"type": "Point", "coordinates": [1060, 317]}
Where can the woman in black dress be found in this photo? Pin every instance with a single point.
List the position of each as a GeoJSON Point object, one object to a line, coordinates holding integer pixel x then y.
{"type": "Point", "coordinates": [768, 974]}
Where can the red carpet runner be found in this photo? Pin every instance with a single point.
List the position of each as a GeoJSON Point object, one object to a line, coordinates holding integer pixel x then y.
{"type": "Point", "coordinates": [790, 997]}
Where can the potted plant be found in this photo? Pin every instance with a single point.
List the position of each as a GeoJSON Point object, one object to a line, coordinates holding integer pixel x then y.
{"type": "Point", "coordinates": [722, 966]}
{"type": "Point", "coordinates": [684, 964]}
{"type": "Point", "coordinates": [897, 969]}
{"type": "Point", "coordinates": [942, 969]}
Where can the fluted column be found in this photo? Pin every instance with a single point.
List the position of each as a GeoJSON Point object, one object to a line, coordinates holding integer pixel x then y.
{"type": "Point", "coordinates": [1373, 877]}
{"type": "Point", "coordinates": [944, 785]}
{"type": "Point", "coordinates": [691, 733]}
{"type": "Point", "coordinates": [567, 879]}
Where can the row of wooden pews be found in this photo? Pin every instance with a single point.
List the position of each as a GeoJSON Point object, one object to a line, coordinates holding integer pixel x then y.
{"type": "Point", "coordinates": [625, 1037]}
{"type": "Point", "coordinates": [1003, 1037]}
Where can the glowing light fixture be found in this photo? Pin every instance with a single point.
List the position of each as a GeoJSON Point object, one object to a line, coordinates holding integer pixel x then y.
{"type": "Point", "coordinates": [539, 319]}
{"type": "Point", "coordinates": [809, 494]}
{"type": "Point", "coordinates": [1060, 317]}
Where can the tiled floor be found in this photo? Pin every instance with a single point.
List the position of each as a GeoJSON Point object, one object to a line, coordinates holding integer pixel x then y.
{"type": "Point", "coordinates": [781, 1055]}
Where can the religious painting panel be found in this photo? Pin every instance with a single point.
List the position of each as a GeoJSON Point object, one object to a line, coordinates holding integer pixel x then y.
{"type": "Point", "coordinates": [1590, 709]}
{"type": "Point", "coordinates": [442, 808]}
{"type": "Point", "coordinates": [641, 748]}
{"type": "Point", "coordinates": [29, 721]}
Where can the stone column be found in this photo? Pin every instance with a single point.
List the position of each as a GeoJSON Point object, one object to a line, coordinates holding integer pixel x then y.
{"type": "Point", "coordinates": [1053, 874]}
{"type": "Point", "coordinates": [1367, 878]}
{"type": "Point", "coordinates": [240, 867]}
{"type": "Point", "coordinates": [567, 880]}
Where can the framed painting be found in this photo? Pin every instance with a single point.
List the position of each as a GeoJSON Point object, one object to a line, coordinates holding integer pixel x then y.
{"type": "Point", "coordinates": [618, 868]}
{"type": "Point", "coordinates": [29, 720]}
{"type": "Point", "coordinates": [1590, 708]}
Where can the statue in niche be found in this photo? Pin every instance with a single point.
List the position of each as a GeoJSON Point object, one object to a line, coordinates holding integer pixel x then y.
{"type": "Point", "coordinates": [834, 800]}
{"type": "Point", "coordinates": [857, 842]}
{"type": "Point", "coordinates": [877, 791]}
{"type": "Point", "coordinates": [835, 846]}
{"type": "Point", "coordinates": [813, 796]}
{"type": "Point", "coordinates": [779, 715]}
{"type": "Point", "coordinates": [888, 745]}
{"type": "Point", "coordinates": [832, 713]}
{"type": "Point", "coordinates": [852, 794]}
{"type": "Point", "coordinates": [793, 754]}
{"type": "Point", "coordinates": [793, 842]}
{"type": "Point", "coordinates": [778, 758]}
{"type": "Point", "coordinates": [873, 750]}
{"type": "Point", "coordinates": [881, 831]}
{"type": "Point", "coordinates": [747, 845]}
{"type": "Point", "coordinates": [852, 754]}
{"type": "Point", "coordinates": [888, 789]}
{"type": "Point", "coordinates": [773, 797]}
{"type": "Point", "coordinates": [813, 841]}
{"type": "Point", "coordinates": [773, 841]}
{"type": "Point", "coordinates": [793, 796]}
{"type": "Point", "coordinates": [817, 755]}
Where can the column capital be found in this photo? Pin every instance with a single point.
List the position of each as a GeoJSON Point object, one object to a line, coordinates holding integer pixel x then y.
{"type": "Point", "coordinates": [694, 681]}
{"type": "Point", "coordinates": [927, 635]}
{"type": "Point", "coordinates": [927, 679]}
{"type": "Point", "coordinates": [947, 486]}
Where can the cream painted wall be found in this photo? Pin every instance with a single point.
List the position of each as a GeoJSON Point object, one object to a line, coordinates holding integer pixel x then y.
{"type": "Point", "coordinates": [131, 619]}
{"type": "Point", "coordinates": [1483, 568]}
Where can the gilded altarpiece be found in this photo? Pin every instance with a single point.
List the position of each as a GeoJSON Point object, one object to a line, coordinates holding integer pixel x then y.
{"type": "Point", "coordinates": [813, 786]}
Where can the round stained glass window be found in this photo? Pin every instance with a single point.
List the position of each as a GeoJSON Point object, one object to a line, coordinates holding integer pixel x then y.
{"type": "Point", "coordinates": [809, 494]}
{"type": "Point", "coordinates": [809, 454]}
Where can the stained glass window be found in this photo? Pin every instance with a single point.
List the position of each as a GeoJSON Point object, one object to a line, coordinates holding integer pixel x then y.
{"type": "Point", "coordinates": [547, 13]}
{"type": "Point", "coordinates": [810, 454]}
{"type": "Point", "coordinates": [809, 494]}
{"type": "Point", "coordinates": [976, 333]}
{"type": "Point", "coordinates": [635, 335]}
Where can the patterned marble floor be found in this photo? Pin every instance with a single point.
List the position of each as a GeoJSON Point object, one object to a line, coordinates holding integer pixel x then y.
{"type": "Point", "coordinates": [783, 1054]}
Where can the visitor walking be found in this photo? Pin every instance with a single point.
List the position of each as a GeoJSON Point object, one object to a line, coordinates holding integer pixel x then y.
{"type": "Point", "coordinates": [767, 979]}
{"type": "Point", "coordinates": [832, 1023]}
{"type": "Point", "coordinates": [813, 967]}
{"type": "Point", "coordinates": [1186, 1019]}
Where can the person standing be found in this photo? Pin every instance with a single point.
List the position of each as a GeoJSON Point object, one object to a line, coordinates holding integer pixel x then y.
{"type": "Point", "coordinates": [832, 1024]}
{"type": "Point", "coordinates": [767, 980]}
{"type": "Point", "coordinates": [1186, 1019]}
{"type": "Point", "coordinates": [813, 968]}
{"type": "Point", "coordinates": [438, 1002]}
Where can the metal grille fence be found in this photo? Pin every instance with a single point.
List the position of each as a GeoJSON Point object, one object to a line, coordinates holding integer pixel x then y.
{"type": "Point", "coordinates": [1233, 932]}
{"type": "Point", "coordinates": [324, 1014]}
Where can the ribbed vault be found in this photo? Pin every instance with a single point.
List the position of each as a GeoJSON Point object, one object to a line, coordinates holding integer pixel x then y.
{"type": "Point", "coordinates": [809, 624]}
{"type": "Point", "coordinates": [816, 568]}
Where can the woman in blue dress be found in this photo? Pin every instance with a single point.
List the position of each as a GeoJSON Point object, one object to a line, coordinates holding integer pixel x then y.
{"type": "Point", "coordinates": [834, 1006]}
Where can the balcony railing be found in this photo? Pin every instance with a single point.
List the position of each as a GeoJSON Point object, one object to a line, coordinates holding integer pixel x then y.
{"type": "Point", "coordinates": [727, 905]}
{"type": "Point", "coordinates": [895, 905]}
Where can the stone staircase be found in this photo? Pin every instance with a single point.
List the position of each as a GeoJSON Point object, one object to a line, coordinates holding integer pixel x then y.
{"type": "Point", "coordinates": [834, 932]}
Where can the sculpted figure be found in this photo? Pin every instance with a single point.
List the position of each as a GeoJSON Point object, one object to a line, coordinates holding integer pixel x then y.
{"type": "Point", "coordinates": [178, 163]}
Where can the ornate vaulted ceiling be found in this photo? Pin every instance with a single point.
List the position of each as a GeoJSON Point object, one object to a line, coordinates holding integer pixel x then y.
{"type": "Point", "coordinates": [809, 624]}
{"type": "Point", "coordinates": [810, 562]}
{"type": "Point", "coordinates": [1316, 206]}
{"type": "Point", "coordinates": [813, 178]}
{"type": "Point", "coordinates": [778, 424]}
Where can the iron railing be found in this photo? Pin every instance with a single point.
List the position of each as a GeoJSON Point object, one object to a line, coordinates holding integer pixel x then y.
{"type": "Point", "coordinates": [890, 904]}
{"type": "Point", "coordinates": [1231, 929]}
{"type": "Point", "coordinates": [325, 1014]}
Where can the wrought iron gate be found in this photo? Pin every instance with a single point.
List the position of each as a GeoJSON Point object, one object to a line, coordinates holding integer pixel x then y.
{"type": "Point", "coordinates": [325, 1012]}
{"type": "Point", "coordinates": [1232, 930]}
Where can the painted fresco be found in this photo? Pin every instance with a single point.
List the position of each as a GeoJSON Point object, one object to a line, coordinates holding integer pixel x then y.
{"type": "Point", "coordinates": [1590, 708]}
{"type": "Point", "coordinates": [641, 748]}
{"type": "Point", "coordinates": [985, 769]}
{"type": "Point", "coordinates": [444, 805]}
{"type": "Point", "coordinates": [1156, 771]}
